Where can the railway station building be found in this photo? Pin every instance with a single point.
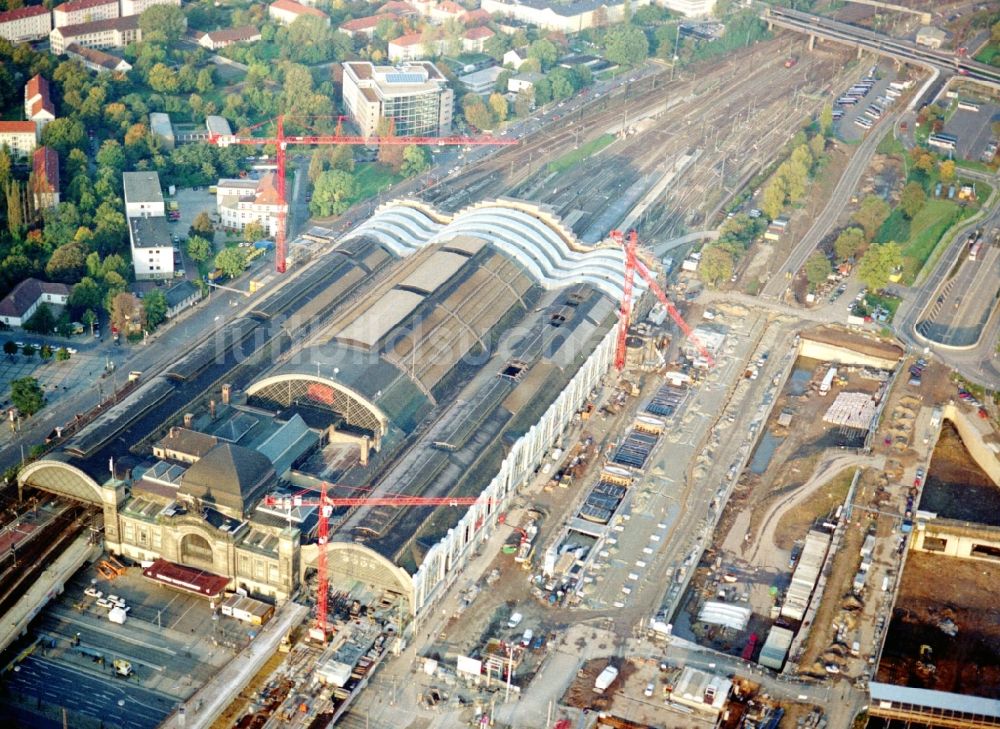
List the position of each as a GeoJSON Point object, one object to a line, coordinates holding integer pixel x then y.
{"type": "Point", "coordinates": [447, 356]}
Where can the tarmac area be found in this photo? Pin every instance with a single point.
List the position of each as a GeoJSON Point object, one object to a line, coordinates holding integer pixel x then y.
{"type": "Point", "coordinates": [173, 641]}
{"type": "Point", "coordinates": [973, 129]}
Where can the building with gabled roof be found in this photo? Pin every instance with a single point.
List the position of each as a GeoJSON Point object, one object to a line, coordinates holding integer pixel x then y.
{"type": "Point", "coordinates": [45, 178]}
{"type": "Point", "coordinates": [243, 201]}
{"type": "Point", "coordinates": [399, 8]}
{"type": "Point", "coordinates": [364, 26]}
{"type": "Point", "coordinates": [18, 306]}
{"type": "Point", "coordinates": [474, 39]}
{"type": "Point", "coordinates": [29, 23]}
{"type": "Point", "coordinates": [569, 17]}
{"type": "Point", "coordinates": [38, 105]}
{"type": "Point", "coordinates": [110, 33]}
{"type": "Point", "coordinates": [216, 39]}
{"type": "Point", "coordinates": [97, 60]}
{"type": "Point", "coordinates": [287, 12]}
{"type": "Point", "coordinates": [138, 7]}
{"type": "Point", "coordinates": [76, 12]}
{"type": "Point", "coordinates": [21, 137]}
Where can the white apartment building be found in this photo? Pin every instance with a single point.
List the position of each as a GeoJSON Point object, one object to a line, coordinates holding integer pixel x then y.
{"type": "Point", "coordinates": [25, 24]}
{"type": "Point", "coordinates": [136, 7]}
{"type": "Point", "coordinates": [96, 60]}
{"type": "Point", "coordinates": [567, 17]}
{"type": "Point", "coordinates": [416, 96]}
{"type": "Point", "coordinates": [18, 306]}
{"type": "Point", "coordinates": [243, 201]}
{"type": "Point", "coordinates": [689, 8]}
{"type": "Point", "coordinates": [143, 195]}
{"type": "Point", "coordinates": [38, 106]}
{"type": "Point", "coordinates": [414, 46]}
{"type": "Point", "coordinates": [287, 12]}
{"type": "Point", "coordinates": [152, 248]}
{"type": "Point", "coordinates": [112, 33]}
{"type": "Point", "coordinates": [20, 136]}
{"type": "Point", "coordinates": [77, 12]}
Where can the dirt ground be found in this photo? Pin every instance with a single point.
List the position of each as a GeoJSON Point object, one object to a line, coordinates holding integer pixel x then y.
{"type": "Point", "coordinates": [796, 521]}
{"type": "Point", "coordinates": [936, 589]}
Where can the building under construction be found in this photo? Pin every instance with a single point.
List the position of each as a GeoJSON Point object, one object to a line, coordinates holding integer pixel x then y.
{"type": "Point", "coordinates": [439, 356]}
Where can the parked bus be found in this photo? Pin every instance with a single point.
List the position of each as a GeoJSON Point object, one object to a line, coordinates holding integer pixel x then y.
{"type": "Point", "coordinates": [975, 249]}
{"type": "Point", "coordinates": [942, 141]}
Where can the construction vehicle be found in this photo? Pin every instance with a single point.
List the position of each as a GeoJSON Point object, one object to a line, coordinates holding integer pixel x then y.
{"type": "Point", "coordinates": [123, 668]}
{"type": "Point", "coordinates": [110, 568]}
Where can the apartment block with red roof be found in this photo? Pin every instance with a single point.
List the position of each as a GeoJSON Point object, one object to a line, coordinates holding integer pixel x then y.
{"type": "Point", "coordinates": [25, 24]}
{"type": "Point", "coordinates": [45, 178]}
{"type": "Point", "coordinates": [364, 26]}
{"type": "Point", "coordinates": [101, 34]}
{"type": "Point", "coordinates": [38, 106]}
{"type": "Point", "coordinates": [474, 39]}
{"type": "Point", "coordinates": [137, 7]}
{"type": "Point", "coordinates": [216, 39]}
{"type": "Point", "coordinates": [243, 201]}
{"type": "Point", "coordinates": [287, 12]}
{"type": "Point", "coordinates": [20, 136]}
{"type": "Point", "coordinates": [76, 12]}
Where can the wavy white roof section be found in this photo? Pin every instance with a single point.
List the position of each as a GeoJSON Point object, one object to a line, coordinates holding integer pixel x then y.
{"type": "Point", "coordinates": [549, 251]}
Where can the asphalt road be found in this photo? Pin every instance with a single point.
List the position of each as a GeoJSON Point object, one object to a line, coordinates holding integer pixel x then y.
{"type": "Point", "coordinates": [825, 221]}
{"type": "Point", "coordinates": [121, 704]}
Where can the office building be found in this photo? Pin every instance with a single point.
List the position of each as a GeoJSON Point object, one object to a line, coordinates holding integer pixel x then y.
{"type": "Point", "coordinates": [416, 96]}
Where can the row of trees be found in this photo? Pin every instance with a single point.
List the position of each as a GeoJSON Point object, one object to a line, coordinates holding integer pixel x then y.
{"type": "Point", "coordinates": [790, 181]}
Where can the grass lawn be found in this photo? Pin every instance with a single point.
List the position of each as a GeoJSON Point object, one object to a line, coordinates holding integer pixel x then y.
{"type": "Point", "coordinates": [891, 145]}
{"type": "Point", "coordinates": [372, 178]}
{"type": "Point", "coordinates": [989, 54]}
{"type": "Point", "coordinates": [570, 159]}
{"type": "Point", "coordinates": [921, 234]}
{"type": "Point", "coordinates": [969, 164]}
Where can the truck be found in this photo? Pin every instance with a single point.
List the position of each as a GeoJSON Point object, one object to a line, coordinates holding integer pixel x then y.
{"type": "Point", "coordinates": [605, 679]}
{"type": "Point", "coordinates": [824, 386]}
{"type": "Point", "coordinates": [123, 668]}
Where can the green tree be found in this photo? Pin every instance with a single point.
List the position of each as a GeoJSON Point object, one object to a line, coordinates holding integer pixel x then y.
{"type": "Point", "coordinates": [43, 321]}
{"type": "Point", "coordinates": [232, 261]}
{"type": "Point", "coordinates": [85, 295]}
{"type": "Point", "coordinates": [62, 354]}
{"type": "Point", "coordinates": [562, 83]}
{"type": "Point", "coordinates": [947, 170]}
{"type": "Point", "coordinates": [333, 194]}
{"type": "Point", "coordinates": [817, 268]}
{"type": "Point", "coordinates": [773, 197]}
{"type": "Point", "coordinates": [27, 395]}
{"type": "Point", "coordinates": [202, 225]}
{"type": "Point", "coordinates": [627, 45]}
{"type": "Point", "coordinates": [111, 156]}
{"type": "Point", "coordinates": [90, 319]}
{"type": "Point", "coordinates": [498, 105]}
{"type": "Point", "coordinates": [155, 306]}
{"type": "Point", "coordinates": [415, 160]}
{"type": "Point", "coordinates": [878, 263]}
{"type": "Point", "coordinates": [205, 81]}
{"type": "Point", "coordinates": [199, 249]}
{"type": "Point", "coordinates": [127, 314]}
{"type": "Point", "coordinates": [716, 265]}
{"type": "Point", "coordinates": [479, 116]}
{"type": "Point", "coordinates": [544, 51]}
{"type": "Point", "coordinates": [28, 351]}
{"type": "Point", "coordinates": [162, 78]}
{"type": "Point", "coordinates": [253, 231]}
{"type": "Point", "coordinates": [10, 348]}
{"type": "Point", "coordinates": [45, 353]}
{"type": "Point", "coordinates": [67, 264]}
{"type": "Point", "coordinates": [849, 243]}
{"type": "Point", "coordinates": [63, 134]}
{"type": "Point", "coordinates": [162, 24]}
{"type": "Point", "coordinates": [826, 120]}
{"type": "Point", "coordinates": [873, 212]}
{"type": "Point", "coordinates": [912, 199]}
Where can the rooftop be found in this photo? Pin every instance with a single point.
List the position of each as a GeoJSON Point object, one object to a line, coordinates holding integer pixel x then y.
{"type": "Point", "coordinates": [365, 23]}
{"type": "Point", "coordinates": [96, 56]}
{"type": "Point", "coordinates": [150, 232]}
{"type": "Point", "coordinates": [293, 7]}
{"type": "Point", "coordinates": [228, 476]}
{"type": "Point", "coordinates": [189, 442]}
{"type": "Point", "coordinates": [180, 292]}
{"type": "Point", "coordinates": [26, 12]}
{"type": "Point", "coordinates": [75, 5]}
{"type": "Point", "coordinates": [233, 35]}
{"type": "Point", "coordinates": [142, 187]}
{"type": "Point", "coordinates": [129, 22]}
{"type": "Point", "coordinates": [45, 165]}
{"type": "Point", "coordinates": [26, 293]}
{"type": "Point", "coordinates": [188, 579]}
{"type": "Point", "coordinates": [17, 127]}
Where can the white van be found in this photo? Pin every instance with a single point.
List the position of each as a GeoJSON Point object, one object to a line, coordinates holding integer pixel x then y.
{"type": "Point", "coordinates": [526, 638]}
{"type": "Point", "coordinates": [515, 620]}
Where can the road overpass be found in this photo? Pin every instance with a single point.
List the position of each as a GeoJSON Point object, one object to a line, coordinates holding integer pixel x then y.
{"type": "Point", "coordinates": [904, 51]}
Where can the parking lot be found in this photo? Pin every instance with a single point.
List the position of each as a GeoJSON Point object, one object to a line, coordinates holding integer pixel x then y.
{"type": "Point", "coordinates": [973, 129]}
{"type": "Point", "coordinates": [56, 378]}
{"type": "Point", "coordinates": [846, 127]}
{"type": "Point", "coordinates": [173, 642]}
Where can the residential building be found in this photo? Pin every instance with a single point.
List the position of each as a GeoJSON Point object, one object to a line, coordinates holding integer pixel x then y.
{"type": "Point", "coordinates": [474, 39]}
{"type": "Point", "coordinates": [689, 8]}
{"type": "Point", "coordinates": [137, 7]}
{"type": "Point", "coordinates": [143, 195]}
{"type": "Point", "coordinates": [152, 248]}
{"type": "Point", "coordinates": [45, 178]}
{"type": "Point", "coordinates": [399, 8]}
{"type": "Point", "coordinates": [25, 24]}
{"type": "Point", "coordinates": [216, 39]}
{"type": "Point", "coordinates": [445, 10]}
{"type": "Point", "coordinates": [18, 306]}
{"type": "Point", "coordinates": [931, 37]}
{"type": "Point", "coordinates": [569, 17]}
{"type": "Point", "coordinates": [482, 82]}
{"type": "Point", "coordinates": [515, 57]}
{"type": "Point", "coordinates": [97, 60]}
{"type": "Point", "coordinates": [414, 46]}
{"type": "Point", "coordinates": [113, 33]}
{"type": "Point", "coordinates": [77, 12]}
{"type": "Point", "coordinates": [364, 27]}
{"type": "Point", "coordinates": [523, 82]}
{"type": "Point", "coordinates": [287, 12]}
{"type": "Point", "coordinates": [240, 202]}
{"type": "Point", "coordinates": [20, 136]}
{"type": "Point", "coordinates": [38, 106]}
{"type": "Point", "coordinates": [416, 96]}
{"type": "Point", "coordinates": [181, 296]}
{"type": "Point", "coordinates": [476, 17]}
{"type": "Point", "coordinates": [161, 128]}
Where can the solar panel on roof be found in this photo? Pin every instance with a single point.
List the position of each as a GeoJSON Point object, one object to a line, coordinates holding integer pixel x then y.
{"type": "Point", "coordinates": [404, 78]}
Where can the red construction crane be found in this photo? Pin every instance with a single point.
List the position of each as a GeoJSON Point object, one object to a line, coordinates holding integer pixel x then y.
{"type": "Point", "coordinates": [326, 506]}
{"type": "Point", "coordinates": [634, 265]}
{"type": "Point", "coordinates": [281, 142]}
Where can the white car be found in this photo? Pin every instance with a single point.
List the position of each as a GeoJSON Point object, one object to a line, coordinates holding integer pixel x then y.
{"type": "Point", "coordinates": [71, 350]}
{"type": "Point", "coordinates": [93, 592]}
{"type": "Point", "coordinates": [102, 602]}
{"type": "Point", "coordinates": [650, 687]}
{"type": "Point", "coordinates": [515, 620]}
